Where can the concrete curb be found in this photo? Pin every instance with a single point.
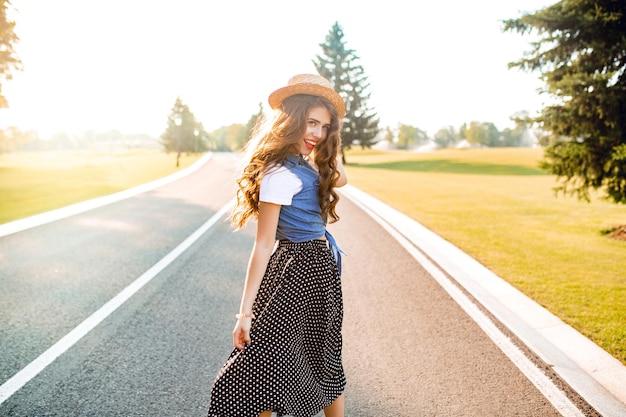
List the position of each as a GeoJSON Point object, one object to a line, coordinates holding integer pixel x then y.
{"type": "Point", "coordinates": [597, 376]}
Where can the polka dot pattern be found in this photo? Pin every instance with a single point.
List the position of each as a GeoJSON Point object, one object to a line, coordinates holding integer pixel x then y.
{"type": "Point", "coordinates": [293, 365]}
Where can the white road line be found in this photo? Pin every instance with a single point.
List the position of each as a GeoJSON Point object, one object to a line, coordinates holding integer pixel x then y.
{"type": "Point", "coordinates": [35, 367]}
{"type": "Point", "coordinates": [556, 397]}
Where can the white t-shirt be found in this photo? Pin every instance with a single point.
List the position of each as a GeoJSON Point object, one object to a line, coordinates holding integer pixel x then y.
{"type": "Point", "coordinates": [279, 185]}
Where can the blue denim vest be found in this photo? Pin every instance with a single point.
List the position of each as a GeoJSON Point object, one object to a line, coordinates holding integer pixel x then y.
{"type": "Point", "coordinates": [302, 220]}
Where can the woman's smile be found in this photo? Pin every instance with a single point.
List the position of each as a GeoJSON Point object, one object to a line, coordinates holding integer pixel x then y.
{"type": "Point", "coordinates": [317, 125]}
{"type": "Point", "coordinates": [310, 143]}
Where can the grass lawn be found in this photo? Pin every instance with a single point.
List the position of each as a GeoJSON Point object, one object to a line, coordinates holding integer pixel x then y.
{"type": "Point", "coordinates": [497, 206]}
{"type": "Point", "coordinates": [35, 182]}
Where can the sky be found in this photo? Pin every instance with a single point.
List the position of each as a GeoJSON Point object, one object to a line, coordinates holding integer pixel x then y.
{"type": "Point", "coordinates": [120, 64]}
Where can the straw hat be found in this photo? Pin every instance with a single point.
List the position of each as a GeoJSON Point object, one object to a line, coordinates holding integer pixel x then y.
{"type": "Point", "coordinates": [311, 84]}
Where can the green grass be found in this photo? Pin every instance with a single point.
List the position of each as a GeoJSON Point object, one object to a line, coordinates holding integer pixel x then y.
{"type": "Point", "coordinates": [35, 182]}
{"type": "Point", "coordinates": [497, 206]}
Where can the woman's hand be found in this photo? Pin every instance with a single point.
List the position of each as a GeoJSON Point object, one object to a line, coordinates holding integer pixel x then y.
{"type": "Point", "coordinates": [241, 333]}
{"type": "Point", "coordinates": [343, 178]}
{"type": "Point", "coordinates": [267, 222]}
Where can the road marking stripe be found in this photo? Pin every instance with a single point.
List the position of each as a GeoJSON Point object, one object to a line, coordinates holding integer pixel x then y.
{"type": "Point", "coordinates": [556, 397]}
{"type": "Point", "coordinates": [35, 367]}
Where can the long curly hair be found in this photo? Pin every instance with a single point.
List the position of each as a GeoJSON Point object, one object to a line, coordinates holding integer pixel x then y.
{"type": "Point", "coordinates": [276, 138]}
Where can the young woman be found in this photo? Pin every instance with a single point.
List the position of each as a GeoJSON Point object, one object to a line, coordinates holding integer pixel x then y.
{"type": "Point", "coordinates": [287, 339]}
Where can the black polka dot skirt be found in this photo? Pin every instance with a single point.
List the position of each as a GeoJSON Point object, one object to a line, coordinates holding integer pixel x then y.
{"type": "Point", "coordinates": [293, 365]}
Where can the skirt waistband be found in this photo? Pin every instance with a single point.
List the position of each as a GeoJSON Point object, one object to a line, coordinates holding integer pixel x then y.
{"type": "Point", "coordinates": [316, 243]}
{"type": "Point", "coordinates": [328, 243]}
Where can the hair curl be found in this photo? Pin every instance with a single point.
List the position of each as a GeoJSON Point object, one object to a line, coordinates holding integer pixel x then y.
{"type": "Point", "coordinates": [273, 140]}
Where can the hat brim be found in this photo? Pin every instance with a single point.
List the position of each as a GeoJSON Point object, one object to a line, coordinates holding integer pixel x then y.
{"type": "Point", "coordinates": [276, 98]}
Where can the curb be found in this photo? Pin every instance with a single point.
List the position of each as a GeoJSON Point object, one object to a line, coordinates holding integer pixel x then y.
{"type": "Point", "coordinates": [594, 374]}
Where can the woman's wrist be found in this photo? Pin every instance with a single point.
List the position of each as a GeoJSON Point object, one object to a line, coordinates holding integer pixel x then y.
{"type": "Point", "coordinates": [240, 316]}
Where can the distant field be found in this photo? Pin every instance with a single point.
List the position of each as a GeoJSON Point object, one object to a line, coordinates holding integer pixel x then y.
{"type": "Point", "coordinates": [497, 206]}
{"type": "Point", "coordinates": [35, 182]}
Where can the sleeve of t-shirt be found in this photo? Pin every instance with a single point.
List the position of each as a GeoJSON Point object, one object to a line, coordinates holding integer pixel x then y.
{"type": "Point", "coordinates": [278, 186]}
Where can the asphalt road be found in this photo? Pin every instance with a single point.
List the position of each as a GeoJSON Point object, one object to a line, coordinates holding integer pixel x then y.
{"type": "Point", "coordinates": [409, 349]}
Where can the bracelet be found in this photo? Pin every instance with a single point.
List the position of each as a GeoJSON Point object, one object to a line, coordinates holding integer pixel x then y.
{"type": "Point", "coordinates": [244, 316]}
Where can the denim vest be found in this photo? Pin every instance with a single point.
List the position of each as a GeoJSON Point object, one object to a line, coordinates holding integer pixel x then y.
{"type": "Point", "coordinates": [302, 220]}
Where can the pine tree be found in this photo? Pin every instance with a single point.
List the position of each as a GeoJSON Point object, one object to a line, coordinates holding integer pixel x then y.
{"type": "Point", "coordinates": [339, 64]}
{"type": "Point", "coordinates": [581, 55]}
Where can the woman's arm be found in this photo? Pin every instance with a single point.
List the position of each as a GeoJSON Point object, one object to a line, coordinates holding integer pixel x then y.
{"type": "Point", "coordinates": [267, 223]}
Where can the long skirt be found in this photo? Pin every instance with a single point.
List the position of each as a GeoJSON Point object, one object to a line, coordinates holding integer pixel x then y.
{"type": "Point", "coordinates": [293, 364]}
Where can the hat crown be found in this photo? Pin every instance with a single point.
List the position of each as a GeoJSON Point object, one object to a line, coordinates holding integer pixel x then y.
{"type": "Point", "coordinates": [310, 84]}
{"type": "Point", "coordinates": [309, 79]}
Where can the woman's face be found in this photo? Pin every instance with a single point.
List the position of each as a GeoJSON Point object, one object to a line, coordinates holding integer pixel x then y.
{"type": "Point", "coordinates": [317, 125]}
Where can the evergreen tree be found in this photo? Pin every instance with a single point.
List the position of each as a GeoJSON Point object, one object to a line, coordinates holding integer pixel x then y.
{"type": "Point", "coordinates": [8, 60]}
{"type": "Point", "coordinates": [581, 55]}
{"type": "Point", "coordinates": [340, 65]}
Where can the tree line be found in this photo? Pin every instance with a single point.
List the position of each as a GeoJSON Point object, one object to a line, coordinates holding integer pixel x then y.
{"type": "Point", "coordinates": [473, 134]}
{"type": "Point", "coordinates": [580, 55]}
{"type": "Point", "coordinates": [226, 138]}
